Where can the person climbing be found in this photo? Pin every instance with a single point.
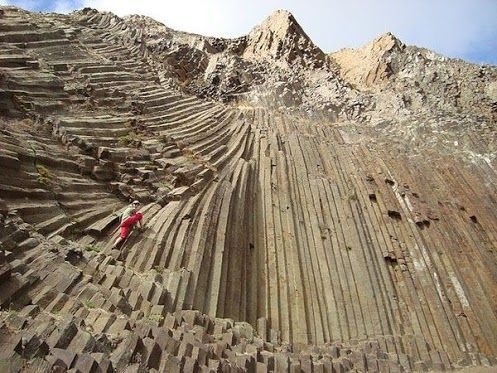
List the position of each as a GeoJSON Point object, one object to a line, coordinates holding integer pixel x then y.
{"type": "Point", "coordinates": [129, 218]}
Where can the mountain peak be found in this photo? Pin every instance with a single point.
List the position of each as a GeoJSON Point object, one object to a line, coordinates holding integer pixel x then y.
{"type": "Point", "coordinates": [369, 64]}
{"type": "Point", "coordinates": [280, 37]}
{"type": "Point", "coordinates": [385, 42]}
{"type": "Point", "coordinates": [388, 35]}
{"type": "Point", "coordinates": [280, 16]}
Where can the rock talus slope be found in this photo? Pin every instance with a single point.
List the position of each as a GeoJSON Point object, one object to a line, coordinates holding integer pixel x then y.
{"type": "Point", "coordinates": [303, 211]}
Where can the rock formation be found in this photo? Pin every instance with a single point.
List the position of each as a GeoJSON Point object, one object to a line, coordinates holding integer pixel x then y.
{"type": "Point", "coordinates": [304, 211]}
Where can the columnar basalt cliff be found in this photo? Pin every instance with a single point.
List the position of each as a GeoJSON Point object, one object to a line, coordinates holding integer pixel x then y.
{"type": "Point", "coordinates": [303, 211]}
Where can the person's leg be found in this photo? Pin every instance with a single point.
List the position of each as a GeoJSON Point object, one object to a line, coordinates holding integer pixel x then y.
{"type": "Point", "coordinates": [118, 241]}
{"type": "Point", "coordinates": [123, 233]}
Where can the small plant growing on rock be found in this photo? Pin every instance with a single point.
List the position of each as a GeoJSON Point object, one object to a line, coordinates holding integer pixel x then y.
{"type": "Point", "coordinates": [125, 140]}
{"type": "Point", "coordinates": [131, 139]}
{"type": "Point", "coordinates": [159, 269]}
{"type": "Point", "coordinates": [9, 311]}
{"type": "Point", "coordinates": [75, 230]}
{"type": "Point", "coordinates": [166, 139]}
{"type": "Point", "coordinates": [187, 152]}
{"type": "Point", "coordinates": [323, 233]}
{"type": "Point", "coordinates": [183, 82]}
{"type": "Point", "coordinates": [88, 304]}
{"type": "Point", "coordinates": [208, 165]}
{"type": "Point", "coordinates": [45, 176]}
{"type": "Point", "coordinates": [93, 248]}
{"type": "Point", "coordinates": [165, 185]}
{"type": "Point", "coordinates": [352, 195]}
{"type": "Point", "coordinates": [181, 145]}
{"type": "Point", "coordinates": [33, 149]}
{"type": "Point", "coordinates": [154, 318]}
{"type": "Point", "coordinates": [211, 167]}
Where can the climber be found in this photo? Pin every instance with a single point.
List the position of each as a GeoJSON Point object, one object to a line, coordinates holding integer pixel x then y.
{"type": "Point", "coordinates": [129, 218]}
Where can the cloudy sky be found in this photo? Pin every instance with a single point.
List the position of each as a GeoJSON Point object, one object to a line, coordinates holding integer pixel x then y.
{"type": "Point", "coordinates": [465, 29]}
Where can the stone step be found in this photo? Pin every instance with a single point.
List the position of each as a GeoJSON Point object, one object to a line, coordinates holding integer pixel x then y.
{"type": "Point", "coordinates": [64, 230]}
{"type": "Point", "coordinates": [52, 224]}
{"type": "Point", "coordinates": [97, 132]}
{"type": "Point", "coordinates": [100, 141]}
{"type": "Point", "coordinates": [31, 210]}
{"type": "Point", "coordinates": [112, 76]}
{"type": "Point", "coordinates": [84, 185]}
{"type": "Point", "coordinates": [15, 61]}
{"type": "Point", "coordinates": [27, 36]}
{"type": "Point", "coordinates": [178, 119]}
{"type": "Point", "coordinates": [8, 288]}
{"type": "Point", "coordinates": [16, 25]}
{"type": "Point", "coordinates": [177, 107]}
{"type": "Point", "coordinates": [12, 192]}
{"type": "Point", "coordinates": [98, 68]}
{"type": "Point", "coordinates": [95, 122]}
{"type": "Point", "coordinates": [166, 100]}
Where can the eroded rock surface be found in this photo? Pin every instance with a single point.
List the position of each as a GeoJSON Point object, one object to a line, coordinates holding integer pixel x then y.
{"type": "Point", "coordinates": [303, 211]}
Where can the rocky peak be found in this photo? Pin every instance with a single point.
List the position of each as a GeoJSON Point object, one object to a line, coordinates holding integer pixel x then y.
{"type": "Point", "coordinates": [370, 64]}
{"type": "Point", "coordinates": [280, 37]}
{"type": "Point", "coordinates": [143, 21]}
{"type": "Point", "coordinates": [279, 16]}
{"type": "Point", "coordinates": [385, 43]}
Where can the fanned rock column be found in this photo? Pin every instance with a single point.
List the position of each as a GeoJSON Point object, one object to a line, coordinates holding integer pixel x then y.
{"type": "Point", "coordinates": [303, 211]}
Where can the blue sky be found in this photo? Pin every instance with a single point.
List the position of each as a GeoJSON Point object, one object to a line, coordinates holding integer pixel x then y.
{"type": "Point", "coordinates": [464, 29]}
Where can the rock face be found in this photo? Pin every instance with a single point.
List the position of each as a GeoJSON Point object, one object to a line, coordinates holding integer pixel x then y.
{"type": "Point", "coordinates": [303, 212]}
{"type": "Point", "coordinates": [371, 64]}
{"type": "Point", "coordinates": [281, 39]}
{"type": "Point", "coordinates": [422, 78]}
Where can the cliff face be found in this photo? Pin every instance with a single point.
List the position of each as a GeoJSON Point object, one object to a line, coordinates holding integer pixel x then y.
{"type": "Point", "coordinates": [371, 64]}
{"type": "Point", "coordinates": [281, 39]}
{"type": "Point", "coordinates": [302, 211]}
{"type": "Point", "coordinates": [426, 81]}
